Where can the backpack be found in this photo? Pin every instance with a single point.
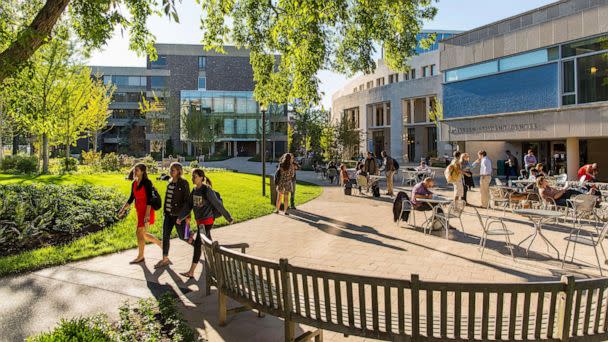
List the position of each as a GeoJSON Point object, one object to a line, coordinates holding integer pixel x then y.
{"type": "Point", "coordinates": [375, 190]}
{"type": "Point", "coordinates": [395, 165]}
{"type": "Point", "coordinates": [277, 175]}
{"type": "Point", "coordinates": [156, 202]}
{"type": "Point", "coordinates": [451, 173]}
{"type": "Point", "coordinates": [216, 213]}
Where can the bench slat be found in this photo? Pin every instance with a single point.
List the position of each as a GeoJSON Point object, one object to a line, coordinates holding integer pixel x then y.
{"type": "Point", "coordinates": [598, 310]}
{"type": "Point", "coordinates": [552, 309]}
{"type": "Point", "coordinates": [526, 318]}
{"type": "Point", "coordinates": [471, 313]}
{"type": "Point", "coordinates": [375, 324]}
{"type": "Point", "coordinates": [512, 315]}
{"type": "Point", "coordinates": [362, 310]}
{"type": "Point", "coordinates": [338, 293]}
{"type": "Point", "coordinates": [296, 292]}
{"type": "Point", "coordinates": [401, 309]}
{"type": "Point", "coordinates": [499, 315]}
{"type": "Point", "coordinates": [306, 297]}
{"type": "Point", "coordinates": [457, 313]}
{"type": "Point", "coordinates": [429, 313]}
{"type": "Point", "coordinates": [315, 296]}
{"type": "Point", "coordinates": [588, 312]}
{"type": "Point", "coordinates": [485, 314]}
{"type": "Point", "coordinates": [387, 309]}
{"type": "Point", "coordinates": [539, 315]}
{"type": "Point", "coordinates": [349, 300]}
{"type": "Point", "coordinates": [577, 312]}
{"type": "Point", "coordinates": [327, 300]}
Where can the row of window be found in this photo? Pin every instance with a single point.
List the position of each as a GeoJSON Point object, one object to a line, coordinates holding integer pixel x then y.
{"type": "Point", "coordinates": [156, 82]}
{"type": "Point", "coordinates": [126, 97]}
{"type": "Point", "coordinates": [161, 62]}
{"type": "Point", "coordinates": [503, 64]}
{"type": "Point", "coordinates": [414, 110]}
{"type": "Point", "coordinates": [427, 71]}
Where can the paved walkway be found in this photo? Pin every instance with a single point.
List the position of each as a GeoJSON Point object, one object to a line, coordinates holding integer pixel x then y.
{"type": "Point", "coordinates": [334, 232]}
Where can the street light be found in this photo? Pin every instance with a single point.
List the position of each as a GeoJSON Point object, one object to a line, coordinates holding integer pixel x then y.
{"type": "Point", "coordinates": [263, 108]}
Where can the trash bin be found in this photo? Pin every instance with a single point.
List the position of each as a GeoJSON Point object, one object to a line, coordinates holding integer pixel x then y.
{"type": "Point", "coordinates": [500, 168]}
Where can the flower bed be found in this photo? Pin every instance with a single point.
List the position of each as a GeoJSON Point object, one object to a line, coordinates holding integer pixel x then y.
{"type": "Point", "coordinates": [37, 215]}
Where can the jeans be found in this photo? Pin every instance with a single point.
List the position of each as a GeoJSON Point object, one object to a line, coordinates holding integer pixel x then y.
{"type": "Point", "coordinates": [198, 243]}
{"type": "Point", "coordinates": [168, 223]}
{"type": "Point", "coordinates": [292, 200]}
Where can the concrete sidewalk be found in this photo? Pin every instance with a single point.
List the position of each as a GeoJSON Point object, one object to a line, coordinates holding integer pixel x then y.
{"type": "Point", "coordinates": [335, 232]}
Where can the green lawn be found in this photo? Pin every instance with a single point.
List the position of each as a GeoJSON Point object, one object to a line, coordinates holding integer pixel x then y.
{"type": "Point", "coordinates": [240, 193]}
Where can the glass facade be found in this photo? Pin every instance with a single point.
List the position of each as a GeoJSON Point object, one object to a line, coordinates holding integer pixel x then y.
{"type": "Point", "coordinates": [159, 63]}
{"type": "Point", "coordinates": [158, 82]}
{"type": "Point", "coordinates": [439, 37]}
{"type": "Point", "coordinates": [202, 62]}
{"type": "Point", "coordinates": [126, 81]}
{"type": "Point", "coordinates": [237, 111]}
{"type": "Point", "coordinates": [592, 82]}
{"type": "Point", "coordinates": [202, 83]}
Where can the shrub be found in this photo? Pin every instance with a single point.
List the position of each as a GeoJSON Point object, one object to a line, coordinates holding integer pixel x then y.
{"type": "Point", "coordinates": [39, 214]}
{"type": "Point", "coordinates": [90, 157]}
{"type": "Point", "coordinates": [148, 320]}
{"type": "Point", "coordinates": [110, 162]}
{"type": "Point", "coordinates": [19, 164]}
{"type": "Point", "coordinates": [150, 163]}
{"type": "Point", "coordinates": [193, 164]}
{"type": "Point", "coordinates": [70, 164]}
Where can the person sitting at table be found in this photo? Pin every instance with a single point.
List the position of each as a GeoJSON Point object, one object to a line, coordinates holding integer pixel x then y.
{"type": "Point", "coordinates": [588, 171]}
{"type": "Point", "coordinates": [422, 170]}
{"type": "Point", "coordinates": [344, 179]}
{"type": "Point", "coordinates": [422, 190]}
{"type": "Point", "coordinates": [533, 174]}
{"type": "Point", "coordinates": [559, 196]}
{"type": "Point", "coordinates": [540, 169]}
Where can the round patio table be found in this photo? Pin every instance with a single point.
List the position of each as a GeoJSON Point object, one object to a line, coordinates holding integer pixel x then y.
{"type": "Point", "coordinates": [435, 201]}
{"type": "Point", "coordinates": [538, 217]}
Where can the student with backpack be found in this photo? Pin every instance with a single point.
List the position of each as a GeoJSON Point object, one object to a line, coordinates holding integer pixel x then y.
{"type": "Point", "coordinates": [453, 174]}
{"type": "Point", "coordinates": [147, 200]}
{"type": "Point", "coordinates": [207, 206]}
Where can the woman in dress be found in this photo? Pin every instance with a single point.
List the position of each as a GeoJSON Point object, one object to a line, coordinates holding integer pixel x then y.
{"type": "Point", "coordinates": [284, 185]}
{"type": "Point", "coordinates": [141, 193]}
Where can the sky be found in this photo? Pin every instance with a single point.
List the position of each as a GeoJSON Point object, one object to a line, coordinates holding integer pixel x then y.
{"type": "Point", "coordinates": [452, 15]}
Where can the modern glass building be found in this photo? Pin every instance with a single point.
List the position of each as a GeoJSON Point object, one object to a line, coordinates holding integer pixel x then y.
{"type": "Point", "coordinates": [185, 77]}
{"type": "Point", "coordinates": [237, 122]}
{"type": "Point", "coordinates": [536, 80]}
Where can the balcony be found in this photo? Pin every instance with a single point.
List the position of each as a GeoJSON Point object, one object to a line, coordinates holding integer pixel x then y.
{"type": "Point", "coordinates": [112, 140]}
{"type": "Point", "coordinates": [121, 122]}
{"type": "Point", "coordinates": [124, 105]}
{"type": "Point", "coordinates": [157, 136]}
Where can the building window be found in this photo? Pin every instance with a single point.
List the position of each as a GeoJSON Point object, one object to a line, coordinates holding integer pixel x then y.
{"type": "Point", "coordinates": [133, 97]}
{"type": "Point", "coordinates": [370, 84]}
{"type": "Point", "coordinates": [158, 82]}
{"type": "Point", "coordinates": [380, 82]}
{"type": "Point", "coordinates": [352, 115]}
{"type": "Point", "coordinates": [159, 63]}
{"type": "Point", "coordinates": [406, 76]}
{"type": "Point", "coordinates": [379, 112]}
{"type": "Point", "coordinates": [432, 139]}
{"type": "Point", "coordinates": [119, 97]}
{"type": "Point", "coordinates": [107, 79]}
{"type": "Point", "coordinates": [592, 72]}
{"type": "Point", "coordinates": [393, 78]}
{"type": "Point", "coordinates": [413, 74]}
{"type": "Point", "coordinates": [472, 71]}
{"type": "Point", "coordinates": [355, 90]}
{"type": "Point", "coordinates": [137, 81]}
{"type": "Point", "coordinates": [433, 71]}
{"type": "Point", "coordinates": [202, 62]}
{"type": "Point", "coordinates": [361, 87]}
{"type": "Point", "coordinates": [202, 83]}
{"type": "Point", "coordinates": [425, 71]}
{"type": "Point", "coordinates": [585, 46]}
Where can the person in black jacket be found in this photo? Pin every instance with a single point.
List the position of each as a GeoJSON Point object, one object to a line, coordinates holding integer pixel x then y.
{"type": "Point", "coordinates": [141, 193]}
{"type": "Point", "coordinates": [203, 201]}
{"type": "Point", "coordinates": [178, 191]}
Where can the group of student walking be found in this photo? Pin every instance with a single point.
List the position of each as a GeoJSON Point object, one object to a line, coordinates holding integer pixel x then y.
{"type": "Point", "coordinates": [179, 202]}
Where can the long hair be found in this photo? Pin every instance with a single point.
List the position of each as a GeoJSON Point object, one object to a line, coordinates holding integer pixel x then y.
{"type": "Point", "coordinates": [201, 173]}
{"type": "Point", "coordinates": [177, 166]}
{"type": "Point", "coordinates": [144, 173]}
{"type": "Point", "coordinates": [539, 182]}
{"type": "Point", "coordinates": [286, 163]}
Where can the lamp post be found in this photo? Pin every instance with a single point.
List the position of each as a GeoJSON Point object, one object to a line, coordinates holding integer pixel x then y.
{"type": "Point", "coordinates": [263, 108]}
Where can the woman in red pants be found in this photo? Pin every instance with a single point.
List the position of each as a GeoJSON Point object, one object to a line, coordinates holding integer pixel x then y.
{"type": "Point", "coordinates": [141, 193]}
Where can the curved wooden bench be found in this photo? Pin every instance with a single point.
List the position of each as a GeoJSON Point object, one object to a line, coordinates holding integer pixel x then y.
{"type": "Point", "coordinates": [409, 310]}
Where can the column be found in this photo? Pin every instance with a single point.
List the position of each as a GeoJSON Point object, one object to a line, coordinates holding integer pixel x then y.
{"type": "Point", "coordinates": [572, 157]}
{"type": "Point", "coordinates": [257, 147]}
{"type": "Point", "coordinates": [235, 149]}
{"type": "Point", "coordinates": [428, 108]}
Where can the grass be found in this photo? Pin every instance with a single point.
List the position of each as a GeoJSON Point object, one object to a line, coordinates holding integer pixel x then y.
{"type": "Point", "coordinates": [240, 194]}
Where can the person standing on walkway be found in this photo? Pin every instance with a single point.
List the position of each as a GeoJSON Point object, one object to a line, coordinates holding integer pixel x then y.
{"type": "Point", "coordinates": [512, 165]}
{"type": "Point", "coordinates": [390, 167]}
{"type": "Point", "coordinates": [207, 206]}
{"type": "Point", "coordinates": [467, 174]}
{"type": "Point", "coordinates": [529, 161]}
{"type": "Point", "coordinates": [292, 200]}
{"type": "Point", "coordinates": [141, 193]}
{"type": "Point", "coordinates": [284, 174]}
{"type": "Point", "coordinates": [371, 167]}
{"type": "Point", "coordinates": [178, 191]}
{"type": "Point", "coordinates": [485, 176]}
{"type": "Point", "coordinates": [453, 175]}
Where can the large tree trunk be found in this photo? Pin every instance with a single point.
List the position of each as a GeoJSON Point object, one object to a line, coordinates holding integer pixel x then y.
{"type": "Point", "coordinates": [31, 38]}
{"type": "Point", "coordinates": [67, 157]}
{"type": "Point", "coordinates": [45, 153]}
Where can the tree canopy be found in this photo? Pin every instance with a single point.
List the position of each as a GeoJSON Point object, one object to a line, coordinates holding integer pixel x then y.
{"type": "Point", "coordinates": [309, 35]}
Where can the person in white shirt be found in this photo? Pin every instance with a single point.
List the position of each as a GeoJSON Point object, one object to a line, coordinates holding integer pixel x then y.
{"type": "Point", "coordinates": [485, 173]}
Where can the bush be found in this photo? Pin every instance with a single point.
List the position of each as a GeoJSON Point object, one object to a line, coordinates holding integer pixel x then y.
{"type": "Point", "coordinates": [19, 164]}
{"type": "Point", "coordinates": [70, 164]}
{"type": "Point", "coordinates": [194, 164]}
{"type": "Point", "coordinates": [90, 157]}
{"type": "Point", "coordinates": [148, 320]}
{"type": "Point", "coordinates": [39, 214]}
{"type": "Point", "coordinates": [150, 163]}
{"type": "Point", "coordinates": [110, 162]}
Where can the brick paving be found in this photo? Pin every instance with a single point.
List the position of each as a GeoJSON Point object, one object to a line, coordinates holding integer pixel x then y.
{"type": "Point", "coordinates": [335, 232]}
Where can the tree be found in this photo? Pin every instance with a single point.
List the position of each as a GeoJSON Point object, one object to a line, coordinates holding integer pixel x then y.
{"type": "Point", "coordinates": [312, 35]}
{"type": "Point", "coordinates": [162, 119]}
{"type": "Point", "coordinates": [329, 146]}
{"type": "Point", "coordinates": [308, 35]}
{"type": "Point", "coordinates": [348, 136]}
{"type": "Point", "coordinates": [26, 26]}
{"type": "Point", "coordinates": [97, 108]}
{"type": "Point", "coordinates": [200, 128]}
{"type": "Point", "coordinates": [308, 123]}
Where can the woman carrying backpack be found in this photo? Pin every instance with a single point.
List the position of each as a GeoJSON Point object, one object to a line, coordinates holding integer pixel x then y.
{"type": "Point", "coordinates": [141, 193]}
{"type": "Point", "coordinates": [207, 207]}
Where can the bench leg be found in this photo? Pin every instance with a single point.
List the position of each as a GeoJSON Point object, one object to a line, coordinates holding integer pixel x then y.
{"type": "Point", "coordinates": [319, 337]}
{"type": "Point", "coordinates": [222, 301]}
{"type": "Point", "coordinates": [290, 331]}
